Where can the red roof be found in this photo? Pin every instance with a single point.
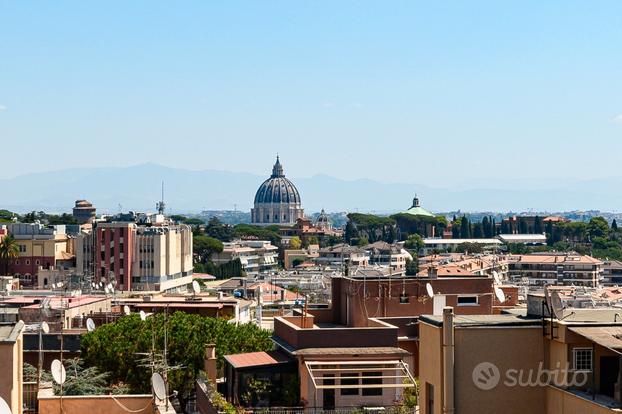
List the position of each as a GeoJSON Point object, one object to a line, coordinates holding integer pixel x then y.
{"type": "Point", "coordinates": [256, 359]}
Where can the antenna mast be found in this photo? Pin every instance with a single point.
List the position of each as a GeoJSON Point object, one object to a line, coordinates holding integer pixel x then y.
{"type": "Point", "coordinates": [160, 206]}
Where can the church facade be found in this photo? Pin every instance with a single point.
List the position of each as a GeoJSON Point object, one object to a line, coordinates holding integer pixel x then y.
{"type": "Point", "coordinates": [277, 200]}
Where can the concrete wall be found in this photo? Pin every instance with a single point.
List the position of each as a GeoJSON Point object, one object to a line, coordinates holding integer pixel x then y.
{"type": "Point", "coordinates": [507, 348]}
{"type": "Point", "coordinates": [560, 401]}
{"type": "Point", "coordinates": [430, 367]}
{"type": "Point", "coordinates": [378, 335]}
{"type": "Point", "coordinates": [95, 404]}
{"type": "Point", "coordinates": [519, 348]}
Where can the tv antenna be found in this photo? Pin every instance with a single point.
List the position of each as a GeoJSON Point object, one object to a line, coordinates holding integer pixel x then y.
{"type": "Point", "coordinates": [160, 206]}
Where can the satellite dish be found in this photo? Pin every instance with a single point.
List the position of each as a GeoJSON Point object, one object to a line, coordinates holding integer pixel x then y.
{"type": "Point", "coordinates": [428, 288]}
{"type": "Point", "coordinates": [495, 275]}
{"type": "Point", "coordinates": [143, 315]}
{"type": "Point", "coordinates": [9, 287]}
{"type": "Point", "coordinates": [45, 328]}
{"type": "Point", "coordinates": [159, 389]}
{"type": "Point", "coordinates": [90, 325]}
{"type": "Point", "coordinates": [557, 306]}
{"type": "Point", "coordinates": [101, 284]}
{"type": "Point", "coordinates": [499, 294]}
{"type": "Point", "coordinates": [58, 372]}
{"type": "Point", "coordinates": [4, 407]}
{"type": "Point", "coordinates": [196, 287]}
{"type": "Point", "coordinates": [126, 310]}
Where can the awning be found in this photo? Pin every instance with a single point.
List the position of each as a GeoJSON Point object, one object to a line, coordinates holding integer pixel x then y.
{"type": "Point", "coordinates": [370, 374]}
{"type": "Point", "coordinates": [256, 359]}
{"type": "Point", "coordinates": [606, 336]}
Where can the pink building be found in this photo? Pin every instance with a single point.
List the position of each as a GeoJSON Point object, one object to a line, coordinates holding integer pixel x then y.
{"type": "Point", "coordinates": [113, 252]}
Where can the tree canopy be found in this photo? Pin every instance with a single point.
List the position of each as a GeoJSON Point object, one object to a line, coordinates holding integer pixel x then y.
{"type": "Point", "coordinates": [117, 347]}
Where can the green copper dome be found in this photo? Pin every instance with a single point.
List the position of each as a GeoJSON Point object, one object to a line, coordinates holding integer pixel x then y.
{"type": "Point", "coordinates": [417, 210]}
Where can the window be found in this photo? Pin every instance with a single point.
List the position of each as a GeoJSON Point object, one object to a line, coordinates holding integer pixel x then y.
{"type": "Point", "coordinates": [370, 378]}
{"type": "Point", "coordinates": [582, 359]}
{"type": "Point", "coordinates": [467, 300]}
{"type": "Point", "coordinates": [22, 248]}
{"type": "Point", "coordinates": [27, 262]}
{"type": "Point", "coordinates": [346, 379]}
{"type": "Point", "coordinates": [429, 392]}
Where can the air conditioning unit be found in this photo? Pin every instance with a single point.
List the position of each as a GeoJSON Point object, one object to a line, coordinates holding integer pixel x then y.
{"type": "Point", "coordinates": [147, 298]}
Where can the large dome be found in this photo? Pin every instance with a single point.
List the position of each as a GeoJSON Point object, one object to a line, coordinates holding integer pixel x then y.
{"type": "Point", "coordinates": [277, 188]}
{"type": "Point", "coordinates": [277, 200]}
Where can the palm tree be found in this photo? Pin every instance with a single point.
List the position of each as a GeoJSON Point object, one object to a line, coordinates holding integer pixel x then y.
{"type": "Point", "coordinates": [9, 250]}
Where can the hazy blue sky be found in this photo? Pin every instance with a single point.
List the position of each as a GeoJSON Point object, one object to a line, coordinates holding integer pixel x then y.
{"type": "Point", "coordinates": [429, 92]}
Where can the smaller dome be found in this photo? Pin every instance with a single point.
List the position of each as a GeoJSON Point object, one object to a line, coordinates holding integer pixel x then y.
{"type": "Point", "coordinates": [417, 210]}
{"type": "Point", "coordinates": [323, 217]}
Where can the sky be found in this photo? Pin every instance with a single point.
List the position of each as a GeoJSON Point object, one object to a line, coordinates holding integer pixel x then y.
{"type": "Point", "coordinates": [440, 93]}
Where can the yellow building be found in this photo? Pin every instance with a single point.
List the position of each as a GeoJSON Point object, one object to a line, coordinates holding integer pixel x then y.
{"type": "Point", "coordinates": [39, 246]}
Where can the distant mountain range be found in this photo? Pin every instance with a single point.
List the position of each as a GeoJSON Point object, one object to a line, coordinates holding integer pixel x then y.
{"type": "Point", "coordinates": [138, 188]}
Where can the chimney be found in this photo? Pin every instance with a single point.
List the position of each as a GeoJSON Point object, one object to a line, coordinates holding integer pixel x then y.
{"type": "Point", "coordinates": [448, 360]}
{"type": "Point", "coordinates": [210, 363]}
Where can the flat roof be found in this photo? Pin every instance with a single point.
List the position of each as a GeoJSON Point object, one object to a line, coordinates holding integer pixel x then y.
{"type": "Point", "coordinates": [607, 336]}
{"type": "Point", "coordinates": [484, 320]}
{"type": "Point", "coordinates": [372, 350]}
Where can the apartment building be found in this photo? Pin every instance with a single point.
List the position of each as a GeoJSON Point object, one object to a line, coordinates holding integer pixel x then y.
{"type": "Point", "coordinates": [256, 256]}
{"type": "Point", "coordinates": [516, 364]}
{"type": "Point", "coordinates": [137, 257]}
{"type": "Point", "coordinates": [39, 246]}
{"type": "Point", "coordinates": [612, 272]}
{"type": "Point", "coordinates": [162, 258]}
{"type": "Point", "coordinates": [362, 351]}
{"type": "Point", "coordinates": [556, 269]}
{"type": "Point", "coordinates": [390, 255]}
{"type": "Point", "coordinates": [342, 254]}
